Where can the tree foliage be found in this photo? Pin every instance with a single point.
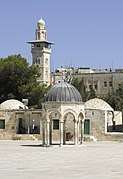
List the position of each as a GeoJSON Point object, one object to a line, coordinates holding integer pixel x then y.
{"type": "Point", "coordinates": [18, 81]}
{"type": "Point", "coordinates": [115, 98]}
{"type": "Point", "coordinates": [86, 95]}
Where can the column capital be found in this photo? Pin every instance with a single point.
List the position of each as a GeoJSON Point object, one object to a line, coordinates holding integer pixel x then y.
{"type": "Point", "coordinates": [48, 120]}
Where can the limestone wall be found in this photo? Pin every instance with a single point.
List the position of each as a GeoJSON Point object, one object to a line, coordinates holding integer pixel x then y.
{"type": "Point", "coordinates": [101, 82]}
{"type": "Point", "coordinates": [11, 125]}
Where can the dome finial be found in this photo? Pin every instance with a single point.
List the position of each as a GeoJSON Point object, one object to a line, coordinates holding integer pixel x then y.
{"type": "Point", "coordinates": [41, 21]}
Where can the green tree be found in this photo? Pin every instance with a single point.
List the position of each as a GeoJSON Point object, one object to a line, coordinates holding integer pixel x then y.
{"type": "Point", "coordinates": [86, 95]}
{"type": "Point", "coordinates": [91, 93]}
{"type": "Point", "coordinates": [115, 98]}
{"type": "Point", "coordinates": [81, 88]}
{"type": "Point", "coordinates": [18, 80]}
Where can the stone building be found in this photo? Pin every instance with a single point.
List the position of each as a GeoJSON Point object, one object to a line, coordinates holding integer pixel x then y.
{"type": "Point", "coordinates": [102, 81]}
{"type": "Point", "coordinates": [41, 50]}
{"type": "Point", "coordinates": [19, 122]}
{"type": "Point", "coordinates": [61, 119]}
{"type": "Point", "coordinates": [101, 120]}
{"type": "Point", "coordinates": [64, 119]}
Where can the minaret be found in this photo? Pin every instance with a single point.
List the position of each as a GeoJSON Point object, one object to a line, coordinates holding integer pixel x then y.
{"type": "Point", "coordinates": [41, 50]}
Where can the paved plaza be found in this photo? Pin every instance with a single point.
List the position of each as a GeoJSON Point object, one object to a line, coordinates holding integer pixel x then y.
{"type": "Point", "coordinates": [28, 160]}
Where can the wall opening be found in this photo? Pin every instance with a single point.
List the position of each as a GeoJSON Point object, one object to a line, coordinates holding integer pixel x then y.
{"type": "Point", "coordinates": [87, 126]}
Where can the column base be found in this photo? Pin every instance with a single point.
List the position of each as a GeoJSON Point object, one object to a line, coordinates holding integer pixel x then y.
{"type": "Point", "coordinates": [46, 145]}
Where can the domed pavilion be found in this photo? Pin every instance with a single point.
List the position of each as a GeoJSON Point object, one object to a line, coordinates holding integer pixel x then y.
{"type": "Point", "coordinates": [63, 115]}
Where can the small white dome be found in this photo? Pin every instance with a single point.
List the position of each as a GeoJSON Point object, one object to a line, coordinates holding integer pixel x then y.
{"type": "Point", "coordinates": [41, 22]}
{"type": "Point", "coordinates": [99, 104]}
{"type": "Point", "coordinates": [12, 104]}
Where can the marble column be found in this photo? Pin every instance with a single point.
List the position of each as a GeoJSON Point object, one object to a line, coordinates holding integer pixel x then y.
{"type": "Point", "coordinates": [61, 133]}
{"type": "Point", "coordinates": [106, 126]}
{"type": "Point", "coordinates": [28, 130]}
{"type": "Point", "coordinates": [64, 132]}
{"type": "Point", "coordinates": [43, 132]}
{"type": "Point", "coordinates": [82, 132]}
{"type": "Point", "coordinates": [78, 132]}
{"type": "Point", "coordinates": [75, 133]}
{"type": "Point", "coordinates": [48, 132]}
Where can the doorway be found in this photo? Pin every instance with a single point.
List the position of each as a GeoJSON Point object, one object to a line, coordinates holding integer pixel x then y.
{"type": "Point", "coordinates": [69, 129]}
{"type": "Point", "coordinates": [87, 126]}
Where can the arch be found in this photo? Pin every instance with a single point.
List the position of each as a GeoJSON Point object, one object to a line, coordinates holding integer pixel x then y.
{"type": "Point", "coordinates": [81, 117]}
{"type": "Point", "coordinates": [53, 112]}
{"type": "Point", "coordinates": [53, 118]}
{"type": "Point", "coordinates": [69, 111]}
{"type": "Point", "coordinates": [70, 120]}
{"type": "Point", "coordinates": [69, 127]}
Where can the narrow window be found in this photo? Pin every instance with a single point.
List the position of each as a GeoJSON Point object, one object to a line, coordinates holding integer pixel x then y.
{"type": "Point", "coordinates": [2, 124]}
{"type": "Point", "coordinates": [110, 83]}
{"type": "Point", "coordinates": [119, 85]}
{"type": "Point", "coordinates": [105, 84]}
{"type": "Point", "coordinates": [46, 61]}
{"type": "Point", "coordinates": [96, 87]}
{"type": "Point", "coordinates": [56, 124]}
{"type": "Point", "coordinates": [90, 86]}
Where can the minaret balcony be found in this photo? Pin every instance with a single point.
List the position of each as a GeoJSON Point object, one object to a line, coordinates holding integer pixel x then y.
{"type": "Point", "coordinates": [41, 49]}
{"type": "Point", "coordinates": [48, 50]}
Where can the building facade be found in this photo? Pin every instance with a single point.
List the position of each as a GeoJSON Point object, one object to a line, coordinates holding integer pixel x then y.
{"type": "Point", "coordinates": [101, 121]}
{"type": "Point", "coordinates": [101, 81]}
{"type": "Point", "coordinates": [17, 122]}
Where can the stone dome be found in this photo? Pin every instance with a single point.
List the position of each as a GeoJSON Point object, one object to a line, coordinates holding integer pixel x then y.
{"type": "Point", "coordinates": [63, 92]}
{"type": "Point", "coordinates": [41, 22]}
{"type": "Point", "coordinates": [12, 104]}
{"type": "Point", "coordinates": [99, 104]}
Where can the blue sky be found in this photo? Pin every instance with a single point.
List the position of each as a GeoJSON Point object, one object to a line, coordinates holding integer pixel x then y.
{"type": "Point", "coordinates": [86, 33]}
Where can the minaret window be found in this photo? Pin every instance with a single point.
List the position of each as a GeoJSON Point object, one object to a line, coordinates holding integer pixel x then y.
{"type": "Point", "coordinates": [38, 60]}
{"type": "Point", "coordinates": [46, 73]}
{"type": "Point", "coordinates": [46, 45]}
{"type": "Point", "coordinates": [46, 61]}
{"type": "Point", "coordinates": [38, 45]}
{"type": "Point", "coordinates": [38, 35]}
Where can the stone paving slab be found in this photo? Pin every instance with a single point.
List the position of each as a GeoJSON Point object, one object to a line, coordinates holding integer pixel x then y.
{"type": "Point", "coordinates": [28, 160]}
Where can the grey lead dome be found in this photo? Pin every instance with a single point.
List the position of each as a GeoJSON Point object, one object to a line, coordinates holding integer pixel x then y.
{"type": "Point", "coordinates": [63, 92]}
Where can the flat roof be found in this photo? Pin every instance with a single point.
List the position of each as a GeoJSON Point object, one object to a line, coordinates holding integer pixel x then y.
{"type": "Point", "coordinates": [39, 41]}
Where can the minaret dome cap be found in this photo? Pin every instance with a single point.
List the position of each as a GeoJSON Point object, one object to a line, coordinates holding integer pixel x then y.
{"type": "Point", "coordinates": [41, 22]}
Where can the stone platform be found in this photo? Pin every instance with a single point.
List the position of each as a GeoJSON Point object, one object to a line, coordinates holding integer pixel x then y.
{"type": "Point", "coordinates": [92, 160]}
